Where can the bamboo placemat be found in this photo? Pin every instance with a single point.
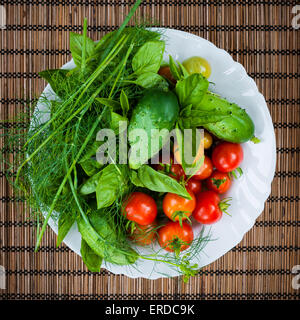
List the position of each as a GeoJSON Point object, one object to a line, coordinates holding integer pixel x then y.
{"type": "Point", "coordinates": [256, 33]}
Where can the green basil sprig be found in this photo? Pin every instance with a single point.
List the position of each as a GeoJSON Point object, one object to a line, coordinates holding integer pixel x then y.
{"type": "Point", "coordinates": [151, 179]}
{"type": "Point", "coordinates": [90, 258]}
{"type": "Point", "coordinates": [148, 58]}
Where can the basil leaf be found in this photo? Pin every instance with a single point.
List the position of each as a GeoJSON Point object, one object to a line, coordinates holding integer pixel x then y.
{"type": "Point", "coordinates": [148, 58]}
{"type": "Point", "coordinates": [191, 90]}
{"type": "Point", "coordinates": [124, 103]}
{"type": "Point", "coordinates": [90, 166]}
{"type": "Point", "coordinates": [151, 80]}
{"type": "Point", "coordinates": [135, 179]}
{"type": "Point", "coordinates": [183, 70]}
{"type": "Point", "coordinates": [88, 162]}
{"type": "Point", "coordinates": [76, 45]}
{"type": "Point", "coordinates": [65, 222]}
{"type": "Point", "coordinates": [100, 234]}
{"type": "Point", "coordinates": [115, 121]}
{"type": "Point", "coordinates": [175, 71]}
{"type": "Point", "coordinates": [90, 185]}
{"type": "Point", "coordinates": [111, 182]}
{"type": "Point", "coordinates": [91, 259]}
{"type": "Point", "coordinates": [160, 182]}
{"type": "Point", "coordinates": [55, 77]}
{"type": "Point", "coordinates": [114, 105]}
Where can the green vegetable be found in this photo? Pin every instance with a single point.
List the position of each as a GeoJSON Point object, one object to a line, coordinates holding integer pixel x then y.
{"type": "Point", "coordinates": [152, 80]}
{"type": "Point", "coordinates": [175, 71]}
{"type": "Point", "coordinates": [77, 42]}
{"type": "Point", "coordinates": [157, 181]}
{"type": "Point", "coordinates": [237, 128]}
{"type": "Point", "coordinates": [65, 222]}
{"type": "Point", "coordinates": [101, 236]}
{"type": "Point", "coordinates": [111, 182]}
{"type": "Point", "coordinates": [92, 260]}
{"type": "Point", "coordinates": [114, 105]}
{"type": "Point", "coordinates": [124, 103]}
{"type": "Point", "coordinates": [148, 58]}
{"type": "Point", "coordinates": [191, 90]}
{"type": "Point", "coordinates": [55, 77]}
{"type": "Point", "coordinates": [156, 110]}
{"type": "Point", "coordinates": [198, 118]}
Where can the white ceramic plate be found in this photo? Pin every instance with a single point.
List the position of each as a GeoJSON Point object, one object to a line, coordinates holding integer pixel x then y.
{"type": "Point", "coordinates": [249, 192]}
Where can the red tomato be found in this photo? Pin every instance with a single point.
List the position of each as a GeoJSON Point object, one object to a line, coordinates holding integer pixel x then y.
{"type": "Point", "coordinates": [219, 182]}
{"type": "Point", "coordinates": [227, 156]}
{"type": "Point", "coordinates": [144, 235]}
{"type": "Point", "coordinates": [177, 172]}
{"type": "Point", "coordinates": [193, 185]}
{"type": "Point", "coordinates": [178, 208]}
{"type": "Point", "coordinates": [207, 209]}
{"type": "Point", "coordinates": [205, 171]}
{"type": "Point", "coordinates": [140, 208]}
{"type": "Point", "coordinates": [172, 237]}
{"type": "Point", "coordinates": [166, 72]}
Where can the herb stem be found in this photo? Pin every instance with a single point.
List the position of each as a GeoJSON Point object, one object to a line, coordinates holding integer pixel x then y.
{"type": "Point", "coordinates": [64, 181]}
{"type": "Point", "coordinates": [83, 57]}
{"type": "Point", "coordinates": [122, 27]}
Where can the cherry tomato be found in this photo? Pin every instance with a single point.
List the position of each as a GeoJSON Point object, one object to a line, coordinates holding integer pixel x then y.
{"type": "Point", "coordinates": [193, 185]}
{"type": "Point", "coordinates": [166, 72]}
{"type": "Point", "coordinates": [207, 209]}
{"type": "Point", "coordinates": [219, 182]}
{"type": "Point", "coordinates": [205, 171]}
{"type": "Point", "coordinates": [178, 208]}
{"type": "Point", "coordinates": [140, 208]}
{"type": "Point", "coordinates": [144, 235]}
{"type": "Point", "coordinates": [227, 156]}
{"type": "Point", "coordinates": [177, 172]}
{"type": "Point", "coordinates": [172, 237]}
{"type": "Point", "coordinates": [208, 140]}
{"type": "Point", "coordinates": [197, 65]}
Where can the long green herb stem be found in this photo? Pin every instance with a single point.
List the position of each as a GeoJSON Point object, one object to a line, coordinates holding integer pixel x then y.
{"type": "Point", "coordinates": [83, 59]}
{"type": "Point", "coordinates": [65, 180]}
{"type": "Point", "coordinates": [122, 27]}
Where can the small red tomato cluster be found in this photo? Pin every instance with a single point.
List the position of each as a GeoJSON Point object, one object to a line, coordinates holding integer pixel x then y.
{"type": "Point", "coordinates": [205, 205]}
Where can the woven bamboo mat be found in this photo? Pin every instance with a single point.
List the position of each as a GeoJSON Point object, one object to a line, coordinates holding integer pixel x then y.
{"type": "Point", "coordinates": [257, 34]}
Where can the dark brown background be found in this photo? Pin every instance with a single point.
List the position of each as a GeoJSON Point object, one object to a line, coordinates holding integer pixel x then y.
{"type": "Point", "coordinates": [257, 34]}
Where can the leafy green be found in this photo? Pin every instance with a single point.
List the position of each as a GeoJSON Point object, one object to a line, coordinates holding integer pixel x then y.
{"type": "Point", "coordinates": [124, 103]}
{"type": "Point", "coordinates": [99, 231]}
{"type": "Point", "coordinates": [191, 90]}
{"type": "Point", "coordinates": [115, 123]}
{"type": "Point", "coordinates": [148, 58]}
{"type": "Point", "coordinates": [90, 166]}
{"type": "Point", "coordinates": [114, 105]}
{"type": "Point", "coordinates": [65, 222]}
{"type": "Point", "coordinates": [76, 47]}
{"type": "Point", "coordinates": [175, 71]}
{"type": "Point", "coordinates": [111, 182]}
{"type": "Point", "coordinates": [151, 80]}
{"type": "Point", "coordinates": [157, 181]}
{"type": "Point", "coordinates": [91, 259]}
{"type": "Point", "coordinates": [90, 185]}
{"type": "Point", "coordinates": [57, 77]}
